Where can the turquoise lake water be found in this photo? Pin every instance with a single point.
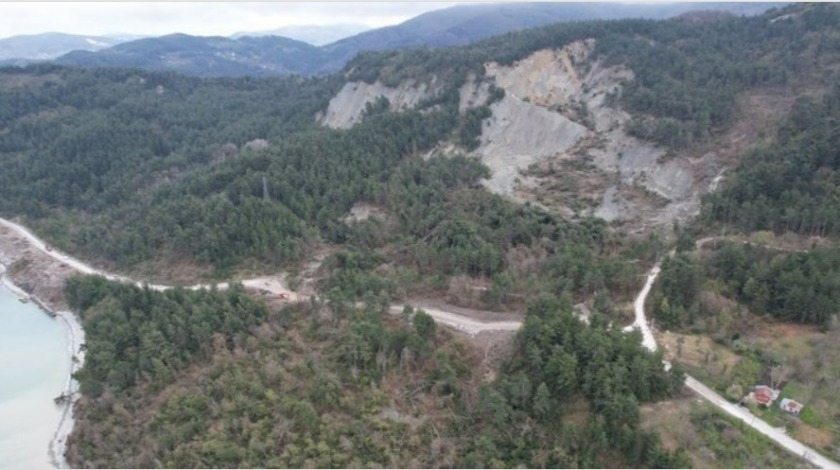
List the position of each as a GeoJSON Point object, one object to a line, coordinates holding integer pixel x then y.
{"type": "Point", "coordinates": [34, 367]}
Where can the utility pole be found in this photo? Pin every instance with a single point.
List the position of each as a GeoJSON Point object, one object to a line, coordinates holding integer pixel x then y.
{"type": "Point", "coordinates": [265, 190]}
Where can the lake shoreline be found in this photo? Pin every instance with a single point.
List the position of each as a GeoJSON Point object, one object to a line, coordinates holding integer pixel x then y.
{"type": "Point", "coordinates": [32, 276]}
{"type": "Point", "coordinates": [58, 443]}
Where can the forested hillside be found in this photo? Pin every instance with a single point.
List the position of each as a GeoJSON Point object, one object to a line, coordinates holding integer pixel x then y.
{"type": "Point", "coordinates": [87, 149]}
{"type": "Point", "coordinates": [208, 56]}
{"type": "Point", "coordinates": [463, 24]}
{"type": "Point", "coordinates": [34, 47]}
{"type": "Point", "coordinates": [261, 55]}
{"type": "Point", "coordinates": [686, 74]}
{"type": "Point", "coordinates": [153, 173]}
{"type": "Point", "coordinates": [758, 300]}
{"type": "Point", "coordinates": [791, 185]}
{"type": "Point", "coordinates": [97, 143]}
{"type": "Point", "coordinates": [214, 379]}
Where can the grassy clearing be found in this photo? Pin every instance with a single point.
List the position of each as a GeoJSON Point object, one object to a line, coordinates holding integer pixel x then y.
{"type": "Point", "coordinates": [713, 439]}
{"type": "Point", "coordinates": [802, 360]}
{"type": "Point", "coordinates": [710, 362]}
{"type": "Point", "coordinates": [816, 438]}
{"type": "Point", "coordinates": [732, 348]}
{"type": "Point", "coordinates": [789, 342]}
{"type": "Point", "coordinates": [807, 365]}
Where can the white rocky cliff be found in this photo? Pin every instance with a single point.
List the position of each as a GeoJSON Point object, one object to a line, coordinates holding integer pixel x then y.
{"type": "Point", "coordinates": [346, 108]}
{"type": "Point", "coordinates": [556, 123]}
{"type": "Point", "coordinates": [630, 177]}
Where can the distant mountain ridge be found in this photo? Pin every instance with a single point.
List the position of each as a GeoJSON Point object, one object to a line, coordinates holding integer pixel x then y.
{"type": "Point", "coordinates": [277, 55]}
{"type": "Point", "coordinates": [47, 46]}
{"type": "Point", "coordinates": [207, 56]}
{"type": "Point", "coordinates": [466, 23]}
{"type": "Point", "coordinates": [317, 35]}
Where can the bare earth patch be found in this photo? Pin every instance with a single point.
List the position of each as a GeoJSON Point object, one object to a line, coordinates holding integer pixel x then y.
{"type": "Point", "coordinates": [497, 346]}
{"type": "Point", "coordinates": [36, 273]}
{"type": "Point", "coordinates": [361, 211]}
{"type": "Point", "coordinates": [480, 315]}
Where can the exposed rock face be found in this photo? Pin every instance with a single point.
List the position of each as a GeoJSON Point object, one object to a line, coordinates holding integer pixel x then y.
{"type": "Point", "coordinates": [256, 144]}
{"type": "Point", "coordinates": [612, 207]}
{"type": "Point", "coordinates": [520, 134]}
{"type": "Point", "coordinates": [346, 108]}
{"type": "Point", "coordinates": [569, 87]}
{"type": "Point", "coordinates": [473, 94]}
{"type": "Point", "coordinates": [361, 211]}
{"type": "Point", "coordinates": [546, 77]}
{"type": "Point", "coordinates": [557, 112]}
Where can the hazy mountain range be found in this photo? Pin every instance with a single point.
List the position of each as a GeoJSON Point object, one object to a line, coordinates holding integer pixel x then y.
{"type": "Point", "coordinates": [316, 35]}
{"type": "Point", "coordinates": [295, 50]}
{"type": "Point", "coordinates": [208, 55]}
{"type": "Point", "coordinates": [48, 46]}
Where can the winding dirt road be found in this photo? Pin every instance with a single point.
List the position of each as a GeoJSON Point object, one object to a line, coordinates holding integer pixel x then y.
{"type": "Point", "coordinates": [777, 435]}
{"type": "Point", "coordinates": [270, 284]}
{"type": "Point", "coordinates": [40, 245]}
{"type": "Point", "coordinates": [641, 322]}
{"type": "Point", "coordinates": [472, 327]}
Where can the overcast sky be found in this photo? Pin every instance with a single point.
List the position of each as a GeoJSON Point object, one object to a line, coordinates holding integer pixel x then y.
{"type": "Point", "coordinates": [198, 18]}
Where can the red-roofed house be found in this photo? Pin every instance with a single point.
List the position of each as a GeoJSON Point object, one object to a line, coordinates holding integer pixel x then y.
{"type": "Point", "coordinates": [765, 395]}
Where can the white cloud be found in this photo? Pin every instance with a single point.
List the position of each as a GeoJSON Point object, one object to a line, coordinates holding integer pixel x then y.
{"type": "Point", "coordinates": [198, 18]}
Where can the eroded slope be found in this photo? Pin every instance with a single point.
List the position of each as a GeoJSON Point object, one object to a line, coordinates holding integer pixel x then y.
{"type": "Point", "coordinates": [558, 138]}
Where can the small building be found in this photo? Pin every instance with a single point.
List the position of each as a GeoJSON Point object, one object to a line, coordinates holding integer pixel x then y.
{"type": "Point", "coordinates": [765, 395]}
{"type": "Point", "coordinates": [791, 406]}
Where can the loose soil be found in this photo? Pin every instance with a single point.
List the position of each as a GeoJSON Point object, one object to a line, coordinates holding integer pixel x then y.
{"type": "Point", "coordinates": [497, 346]}
{"type": "Point", "coordinates": [35, 272]}
{"type": "Point", "coordinates": [480, 315]}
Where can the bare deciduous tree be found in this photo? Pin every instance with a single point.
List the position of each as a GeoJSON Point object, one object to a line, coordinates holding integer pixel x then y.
{"type": "Point", "coordinates": [780, 374]}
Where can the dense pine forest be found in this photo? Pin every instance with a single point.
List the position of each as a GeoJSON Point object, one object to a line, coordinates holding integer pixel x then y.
{"type": "Point", "coordinates": [790, 186]}
{"type": "Point", "coordinates": [214, 379]}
